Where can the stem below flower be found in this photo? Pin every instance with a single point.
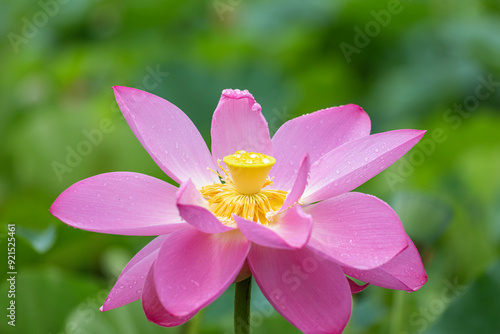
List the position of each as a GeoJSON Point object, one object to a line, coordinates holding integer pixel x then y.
{"type": "Point", "coordinates": [242, 306]}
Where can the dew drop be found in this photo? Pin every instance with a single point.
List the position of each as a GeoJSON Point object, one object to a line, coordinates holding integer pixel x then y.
{"type": "Point", "coordinates": [337, 171]}
{"type": "Point", "coordinates": [366, 158]}
{"type": "Point", "coordinates": [121, 286]}
{"type": "Point", "coordinates": [138, 291]}
{"type": "Point", "coordinates": [376, 150]}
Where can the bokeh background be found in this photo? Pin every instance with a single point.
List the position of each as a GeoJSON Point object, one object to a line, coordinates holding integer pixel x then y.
{"type": "Point", "coordinates": [431, 64]}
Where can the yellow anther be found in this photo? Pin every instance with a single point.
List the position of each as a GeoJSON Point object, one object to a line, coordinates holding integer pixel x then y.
{"type": "Point", "coordinates": [249, 170]}
{"type": "Point", "coordinates": [241, 192]}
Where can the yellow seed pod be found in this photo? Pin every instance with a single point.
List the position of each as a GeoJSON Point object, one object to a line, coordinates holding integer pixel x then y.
{"type": "Point", "coordinates": [249, 170]}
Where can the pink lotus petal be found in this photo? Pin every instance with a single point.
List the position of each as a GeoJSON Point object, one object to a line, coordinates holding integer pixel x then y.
{"type": "Point", "coordinates": [290, 229]}
{"type": "Point", "coordinates": [356, 288]}
{"type": "Point", "coordinates": [168, 135]}
{"type": "Point", "coordinates": [310, 292]}
{"type": "Point", "coordinates": [244, 273]}
{"type": "Point", "coordinates": [194, 268]}
{"type": "Point", "coordinates": [129, 285]}
{"type": "Point", "coordinates": [120, 203]}
{"type": "Point", "coordinates": [154, 310]}
{"type": "Point", "coordinates": [238, 124]}
{"type": "Point", "coordinates": [299, 185]}
{"type": "Point", "coordinates": [356, 230]}
{"type": "Point", "coordinates": [404, 272]}
{"type": "Point", "coordinates": [316, 134]}
{"type": "Point", "coordinates": [352, 164]}
{"type": "Point", "coordinates": [193, 209]}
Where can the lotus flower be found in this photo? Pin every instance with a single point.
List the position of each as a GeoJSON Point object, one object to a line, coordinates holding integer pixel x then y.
{"type": "Point", "coordinates": [278, 209]}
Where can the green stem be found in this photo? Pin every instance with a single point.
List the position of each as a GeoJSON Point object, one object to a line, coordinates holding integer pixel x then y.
{"type": "Point", "coordinates": [242, 306]}
{"type": "Point", "coordinates": [397, 313]}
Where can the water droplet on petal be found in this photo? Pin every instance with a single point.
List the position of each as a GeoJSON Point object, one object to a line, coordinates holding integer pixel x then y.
{"type": "Point", "coordinates": [337, 171]}
{"type": "Point", "coordinates": [138, 291]}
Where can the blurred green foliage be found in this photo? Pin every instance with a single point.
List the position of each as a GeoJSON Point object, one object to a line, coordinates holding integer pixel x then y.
{"type": "Point", "coordinates": [58, 60]}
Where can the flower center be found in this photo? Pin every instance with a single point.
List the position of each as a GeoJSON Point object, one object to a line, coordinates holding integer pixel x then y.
{"type": "Point", "coordinates": [242, 192]}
